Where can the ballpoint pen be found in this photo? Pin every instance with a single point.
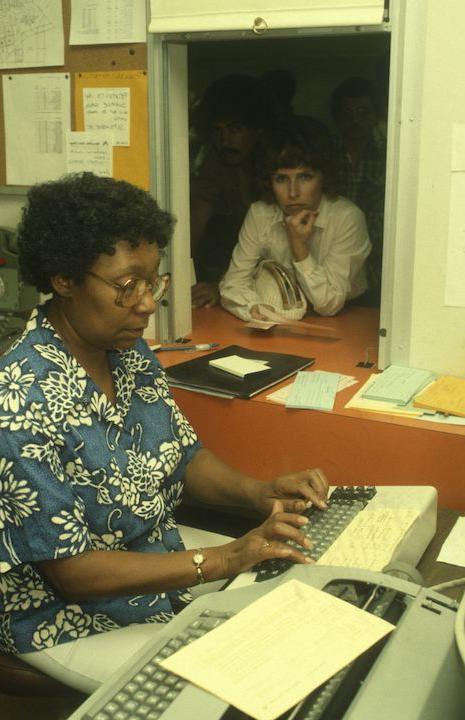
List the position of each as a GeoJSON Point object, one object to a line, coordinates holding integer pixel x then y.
{"type": "Point", "coordinates": [201, 346]}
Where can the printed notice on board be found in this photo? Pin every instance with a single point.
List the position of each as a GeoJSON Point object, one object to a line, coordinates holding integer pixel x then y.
{"type": "Point", "coordinates": [31, 33]}
{"type": "Point", "coordinates": [37, 116]}
{"type": "Point", "coordinates": [90, 152]}
{"type": "Point", "coordinates": [106, 109]}
{"type": "Point", "coordinates": [107, 21]}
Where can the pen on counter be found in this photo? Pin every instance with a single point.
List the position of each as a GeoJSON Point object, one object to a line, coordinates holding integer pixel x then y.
{"type": "Point", "coordinates": [200, 346]}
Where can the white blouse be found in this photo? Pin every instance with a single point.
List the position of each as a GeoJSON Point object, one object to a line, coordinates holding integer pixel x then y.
{"type": "Point", "coordinates": [333, 271]}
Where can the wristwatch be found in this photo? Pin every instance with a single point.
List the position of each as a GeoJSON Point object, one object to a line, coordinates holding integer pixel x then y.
{"type": "Point", "coordinates": [198, 560]}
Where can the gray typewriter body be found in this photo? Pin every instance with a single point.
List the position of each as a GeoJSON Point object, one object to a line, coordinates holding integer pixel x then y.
{"type": "Point", "coordinates": [417, 674]}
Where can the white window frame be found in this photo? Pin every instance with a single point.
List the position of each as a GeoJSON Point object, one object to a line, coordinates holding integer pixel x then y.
{"type": "Point", "coordinates": [169, 72]}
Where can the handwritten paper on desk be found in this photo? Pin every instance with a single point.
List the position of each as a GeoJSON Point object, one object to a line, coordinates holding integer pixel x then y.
{"type": "Point", "coordinates": [370, 540]}
{"type": "Point", "coordinates": [313, 390]}
{"type": "Point", "coordinates": [250, 660]}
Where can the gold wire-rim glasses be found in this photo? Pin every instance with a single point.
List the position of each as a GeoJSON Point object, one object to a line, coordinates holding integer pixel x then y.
{"type": "Point", "coordinates": [133, 290]}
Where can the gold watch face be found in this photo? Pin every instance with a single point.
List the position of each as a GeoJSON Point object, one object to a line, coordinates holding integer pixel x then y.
{"type": "Point", "coordinates": [198, 558]}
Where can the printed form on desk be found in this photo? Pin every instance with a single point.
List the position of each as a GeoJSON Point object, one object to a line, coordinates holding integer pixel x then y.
{"type": "Point", "coordinates": [313, 390]}
{"type": "Point", "coordinates": [250, 660]}
{"type": "Point", "coordinates": [397, 384]}
{"type": "Point", "coordinates": [281, 395]}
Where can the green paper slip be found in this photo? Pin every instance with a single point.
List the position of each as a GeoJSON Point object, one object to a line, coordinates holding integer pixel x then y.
{"type": "Point", "coordinates": [398, 384]}
{"type": "Point", "coordinates": [313, 390]}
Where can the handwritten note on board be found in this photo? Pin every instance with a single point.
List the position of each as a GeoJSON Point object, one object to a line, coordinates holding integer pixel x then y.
{"type": "Point", "coordinates": [107, 110]}
{"type": "Point", "coordinates": [92, 152]}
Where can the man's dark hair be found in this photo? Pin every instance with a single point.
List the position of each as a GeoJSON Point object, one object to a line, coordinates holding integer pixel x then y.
{"type": "Point", "coordinates": [301, 142]}
{"type": "Point", "coordinates": [66, 224]}
{"type": "Point", "coordinates": [233, 98]}
{"type": "Point", "coordinates": [353, 87]}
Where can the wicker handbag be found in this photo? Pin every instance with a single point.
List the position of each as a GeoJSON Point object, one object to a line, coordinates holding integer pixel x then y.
{"type": "Point", "coordinates": [276, 286]}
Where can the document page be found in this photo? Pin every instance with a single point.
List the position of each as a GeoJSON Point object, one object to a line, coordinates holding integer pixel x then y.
{"type": "Point", "coordinates": [314, 390]}
{"type": "Point", "coordinates": [277, 650]}
{"type": "Point", "coordinates": [370, 540]}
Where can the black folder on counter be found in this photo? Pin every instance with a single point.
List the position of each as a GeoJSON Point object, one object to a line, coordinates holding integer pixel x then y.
{"type": "Point", "coordinates": [200, 376]}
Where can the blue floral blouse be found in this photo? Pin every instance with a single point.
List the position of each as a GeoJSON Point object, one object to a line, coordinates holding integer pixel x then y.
{"type": "Point", "coordinates": [78, 473]}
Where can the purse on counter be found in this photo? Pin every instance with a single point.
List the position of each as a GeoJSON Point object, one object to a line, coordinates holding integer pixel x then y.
{"type": "Point", "coordinates": [275, 285]}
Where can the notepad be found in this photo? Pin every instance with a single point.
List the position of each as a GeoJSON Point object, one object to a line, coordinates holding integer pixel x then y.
{"type": "Point", "coordinates": [398, 384]}
{"type": "Point", "coordinates": [446, 395]}
{"type": "Point", "coordinates": [239, 366]}
{"type": "Point", "coordinates": [313, 390]}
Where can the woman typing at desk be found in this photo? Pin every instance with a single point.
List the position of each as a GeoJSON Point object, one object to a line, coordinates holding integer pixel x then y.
{"type": "Point", "coordinates": [321, 238]}
{"type": "Point", "coordinates": [94, 453]}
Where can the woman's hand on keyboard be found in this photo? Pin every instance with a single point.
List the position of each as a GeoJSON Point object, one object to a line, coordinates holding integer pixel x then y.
{"type": "Point", "coordinates": [265, 542]}
{"type": "Point", "coordinates": [296, 491]}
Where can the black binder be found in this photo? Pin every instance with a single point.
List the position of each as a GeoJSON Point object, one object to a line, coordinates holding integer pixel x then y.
{"type": "Point", "coordinates": [199, 375]}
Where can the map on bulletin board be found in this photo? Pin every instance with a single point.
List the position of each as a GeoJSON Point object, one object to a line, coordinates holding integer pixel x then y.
{"type": "Point", "coordinates": [116, 102]}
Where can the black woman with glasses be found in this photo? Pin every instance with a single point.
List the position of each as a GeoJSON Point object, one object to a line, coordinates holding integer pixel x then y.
{"type": "Point", "coordinates": [94, 453]}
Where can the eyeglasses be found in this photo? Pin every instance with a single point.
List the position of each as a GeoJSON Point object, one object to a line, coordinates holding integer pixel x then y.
{"type": "Point", "coordinates": [134, 289]}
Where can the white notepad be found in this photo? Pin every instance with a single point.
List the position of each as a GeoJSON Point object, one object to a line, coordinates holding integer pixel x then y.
{"type": "Point", "coordinates": [239, 366]}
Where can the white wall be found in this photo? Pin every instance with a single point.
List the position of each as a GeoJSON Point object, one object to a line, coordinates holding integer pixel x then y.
{"type": "Point", "coordinates": [438, 332]}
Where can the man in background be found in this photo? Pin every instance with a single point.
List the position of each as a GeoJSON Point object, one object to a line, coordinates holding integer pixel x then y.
{"type": "Point", "coordinates": [361, 166]}
{"type": "Point", "coordinates": [227, 121]}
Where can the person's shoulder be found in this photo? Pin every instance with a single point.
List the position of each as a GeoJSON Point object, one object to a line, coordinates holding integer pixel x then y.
{"type": "Point", "coordinates": [19, 351]}
{"type": "Point", "coordinates": [341, 205]}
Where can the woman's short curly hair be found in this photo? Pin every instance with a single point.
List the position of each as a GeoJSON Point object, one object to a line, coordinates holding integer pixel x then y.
{"type": "Point", "coordinates": [301, 141]}
{"type": "Point", "coordinates": [66, 224]}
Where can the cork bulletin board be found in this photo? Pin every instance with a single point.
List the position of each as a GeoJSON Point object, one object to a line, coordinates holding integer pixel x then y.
{"type": "Point", "coordinates": [126, 65]}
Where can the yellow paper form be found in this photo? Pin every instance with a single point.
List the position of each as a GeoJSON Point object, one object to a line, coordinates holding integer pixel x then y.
{"type": "Point", "coordinates": [371, 538]}
{"type": "Point", "coordinates": [277, 650]}
{"type": "Point", "coordinates": [446, 395]}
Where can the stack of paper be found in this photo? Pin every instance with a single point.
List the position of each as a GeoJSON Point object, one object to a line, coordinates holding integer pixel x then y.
{"type": "Point", "coordinates": [359, 402]}
{"type": "Point", "coordinates": [236, 365]}
{"type": "Point", "coordinates": [314, 390]}
{"type": "Point", "coordinates": [397, 384]}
